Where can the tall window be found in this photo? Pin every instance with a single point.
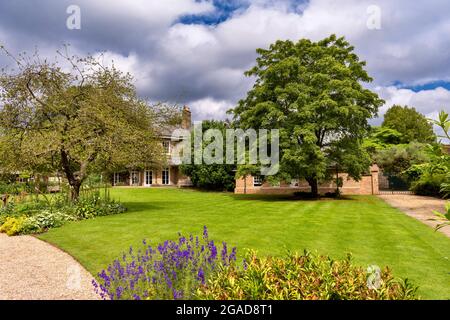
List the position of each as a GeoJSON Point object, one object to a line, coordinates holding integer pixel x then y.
{"type": "Point", "coordinates": [117, 178]}
{"type": "Point", "coordinates": [148, 177]}
{"type": "Point", "coordinates": [165, 176]}
{"type": "Point", "coordinates": [257, 181]}
{"type": "Point", "coordinates": [135, 178]}
{"type": "Point", "coordinates": [166, 146]}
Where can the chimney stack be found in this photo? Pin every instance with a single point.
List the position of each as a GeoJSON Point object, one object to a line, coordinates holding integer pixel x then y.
{"type": "Point", "coordinates": [186, 118]}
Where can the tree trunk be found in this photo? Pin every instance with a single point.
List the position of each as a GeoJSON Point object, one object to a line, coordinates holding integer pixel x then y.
{"type": "Point", "coordinates": [314, 184]}
{"type": "Point", "coordinates": [75, 191]}
{"type": "Point", "coordinates": [245, 184]}
{"type": "Point", "coordinates": [74, 181]}
{"type": "Point", "coordinates": [337, 181]}
{"type": "Point", "coordinates": [4, 198]}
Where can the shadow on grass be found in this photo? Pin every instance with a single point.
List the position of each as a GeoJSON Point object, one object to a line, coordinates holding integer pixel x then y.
{"type": "Point", "coordinates": [284, 198]}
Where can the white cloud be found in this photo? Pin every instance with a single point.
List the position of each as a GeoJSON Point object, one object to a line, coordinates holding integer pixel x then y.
{"type": "Point", "coordinates": [205, 64]}
{"type": "Point", "coordinates": [428, 102]}
{"type": "Point", "coordinates": [403, 50]}
{"type": "Point", "coordinates": [150, 13]}
{"type": "Point", "coordinates": [209, 108]}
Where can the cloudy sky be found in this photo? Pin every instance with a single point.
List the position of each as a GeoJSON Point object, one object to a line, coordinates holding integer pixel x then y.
{"type": "Point", "coordinates": [195, 52]}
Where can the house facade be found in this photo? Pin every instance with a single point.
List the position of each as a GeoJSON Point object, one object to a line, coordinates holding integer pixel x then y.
{"type": "Point", "coordinates": [366, 186]}
{"type": "Point", "coordinates": [168, 176]}
{"type": "Point", "coordinates": [171, 176]}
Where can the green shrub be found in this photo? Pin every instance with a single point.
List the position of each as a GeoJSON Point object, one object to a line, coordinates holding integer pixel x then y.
{"type": "Point", "coordinates": [429, 185]}
{"type": "Point", "coordinates": [114, 208]}
{"type": "Point", "coordinates": [96, 207]}
{"type": "Point", "coordinates": [445, 187]}
{"type": "Point", "coordinates": [85, 210]}
{"type": "Point", "coordinates": [15, 188]}
{"type": "Point", "coordinates": [301, 277]}
{"type": "Point", "coordinates": [43, 212]}
{"type": "Point", "coordinates": [45, 220]}
{"type": "Point", "coordinates": [11, 188]}
{"type": "Point", "coordinates": [9, 211]}
{"type": "Point", "coordinates": [3, 219]}
{"type": "Point", "coordinates": [12, 226]}
{"type": "Point", "coordinates": [443, 217]}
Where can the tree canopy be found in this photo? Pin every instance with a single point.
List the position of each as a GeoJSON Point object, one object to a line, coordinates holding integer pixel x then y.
{"type": "Point", "coordinates": [211, 176]}
{"type": "Point", "coordinates": [313, 93]}
{"type": "Point", "coordinates": [412, 125]}
{"type": "Point", "coordinates": [395, 159]}
{"type": "Point", "coordinates": [381, 138]}
{"type": "Point", "coordinates": [76, 117]}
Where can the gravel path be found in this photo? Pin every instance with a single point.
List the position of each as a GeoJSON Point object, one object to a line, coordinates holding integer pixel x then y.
{"type": "Point", "coordinates": [418, 207]}
{"type": "Point", "coordinates": [33, 269]}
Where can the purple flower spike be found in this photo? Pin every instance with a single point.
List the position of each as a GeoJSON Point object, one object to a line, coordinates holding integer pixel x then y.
{"type": "Point", "coordinates": [170, 270]}
{"type": "Point", "coordinates": [119, 292]}
{"type": "Point", "coordinates": [201, 275]}
{"type": "Point", "coordinates": [224, 253]}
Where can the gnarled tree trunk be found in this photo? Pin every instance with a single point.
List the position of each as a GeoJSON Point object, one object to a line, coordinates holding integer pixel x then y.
{"type": "Point", "coordinates": [314, 184]}
{"type": "Point", "coordinates": [74, 180]}
{"type": "Point", "coordinates": [75, 191]}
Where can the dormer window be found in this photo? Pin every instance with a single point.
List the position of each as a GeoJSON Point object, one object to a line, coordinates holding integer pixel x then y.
{"type": "Point", "coordinates": [166, 146]}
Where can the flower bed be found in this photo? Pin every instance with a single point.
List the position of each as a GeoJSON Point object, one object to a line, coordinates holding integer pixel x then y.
{"type": "Point", "coordinates": [171, 270]}
{"type": "Point", "coordinates": [36, 214]}
{"type": "Point", "coordinates": [192, 268]}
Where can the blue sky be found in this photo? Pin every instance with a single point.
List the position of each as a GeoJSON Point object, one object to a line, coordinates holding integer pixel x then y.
{"type": "Point", "coordinates": [222, 12]}
{"type": "Point", "coordinates": [195, 52]}
{"type": "Point", "coordinates": [426, 86]}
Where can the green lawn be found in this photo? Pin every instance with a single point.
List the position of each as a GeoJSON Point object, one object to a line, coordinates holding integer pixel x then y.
{"type": "Point", "coordinates": [370, 229]}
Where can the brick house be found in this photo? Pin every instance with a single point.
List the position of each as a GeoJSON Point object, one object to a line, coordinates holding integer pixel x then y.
{"type": "Point", "coordinates": [169, 176]}
{"type": "Point", "coordinates": [255, 185]}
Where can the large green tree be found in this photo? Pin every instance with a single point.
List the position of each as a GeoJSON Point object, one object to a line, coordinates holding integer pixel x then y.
{"type": "Point", "coordinates": [313, 93]}
{"type": "Point", "coordinates": [75, 116]}
{"type": "Point", "coordinates": [412, 125]}
{"type": "Point", "coordinates": [213, 176]}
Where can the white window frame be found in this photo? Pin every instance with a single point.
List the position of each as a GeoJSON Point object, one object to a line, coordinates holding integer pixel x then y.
{"type": "Point", "coordinates": [135, 174]}
{"type": "Point", "coordinates": [116, 178]}
{"type": "Point", "coordinates": [295, 183]}
{"type": "Point", "coordinates": [257, 181]}
{"type": "Point", "coordinates": [168, 146]}
{"type": "Point", "coordinates": [146, 173]}
{"type": "Point", "coordinates": [168, 176]}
